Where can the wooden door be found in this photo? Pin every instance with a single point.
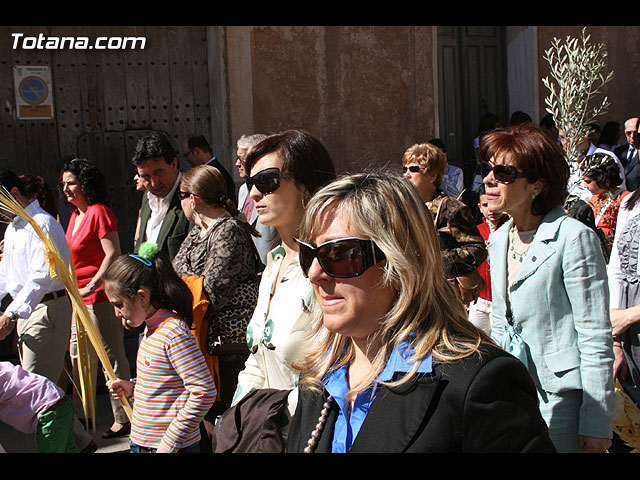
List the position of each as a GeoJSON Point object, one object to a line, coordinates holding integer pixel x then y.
{"type": "Point", "coordinates": [104, 100]}
{"type": "Point", "coordinates": [471, 82]}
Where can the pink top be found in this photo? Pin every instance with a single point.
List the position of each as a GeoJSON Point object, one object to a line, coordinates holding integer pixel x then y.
{"type": "Point", "coordinates": [24, 396]}
{"type": "Point", "coordinates": [85, 246]}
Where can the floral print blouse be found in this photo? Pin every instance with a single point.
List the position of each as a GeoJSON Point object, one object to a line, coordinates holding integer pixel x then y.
{"type": "Point", "coordinates": [277, 335]}
{"type": "Point", "coordinates": [605, 208]}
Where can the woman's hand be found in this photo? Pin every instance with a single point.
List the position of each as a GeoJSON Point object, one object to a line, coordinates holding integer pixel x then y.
{"type": "Point", "coordinates": [621, 320]}
{"type": "Point", "coordinates": [594, 444]}
{"type": "Point", "coordinates": [84, 291]}
{"type": "Point", "coordinates": [620, 363]}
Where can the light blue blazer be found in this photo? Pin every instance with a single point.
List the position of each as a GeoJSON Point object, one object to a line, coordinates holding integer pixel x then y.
{"type": "Point", "coordinates": [560, 308]}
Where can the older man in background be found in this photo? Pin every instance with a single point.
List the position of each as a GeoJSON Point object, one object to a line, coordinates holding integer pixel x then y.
{"type": "Point", "coordinates": [269, 238]}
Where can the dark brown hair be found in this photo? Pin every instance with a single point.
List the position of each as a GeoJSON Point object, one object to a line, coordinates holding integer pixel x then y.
{"type": "Point", "coordinates": [302, 154]}
{"type": "Point", "coordinates": [534, 153]}
{"type": "Point", "coordinates": [130, 272]}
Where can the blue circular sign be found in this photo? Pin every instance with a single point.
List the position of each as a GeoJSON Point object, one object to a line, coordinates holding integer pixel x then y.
{"type": "Point", "coordinates": [33, 90]}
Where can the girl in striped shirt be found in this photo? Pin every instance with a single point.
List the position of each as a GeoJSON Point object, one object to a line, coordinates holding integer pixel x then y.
{"type": "Point", "coordinates": [173, 389]}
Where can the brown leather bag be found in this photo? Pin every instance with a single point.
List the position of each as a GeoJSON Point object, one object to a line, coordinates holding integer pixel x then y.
{"type": "Point", "coordinates": [469, 286]}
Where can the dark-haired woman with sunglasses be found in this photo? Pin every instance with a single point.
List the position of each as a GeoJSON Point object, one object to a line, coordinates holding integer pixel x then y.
{"type": "Point", "coordinates": [462, 246]}
{"type": "Point", "coordinates": [398, 367]}
{"type": "Point", "coordinates": [284, 170]}
{"type": "Point", "coordinates": [549, 288]}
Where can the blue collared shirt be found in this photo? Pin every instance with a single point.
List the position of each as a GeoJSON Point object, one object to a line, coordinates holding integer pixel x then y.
{"type": "Point", "coordinates": [347, 426]}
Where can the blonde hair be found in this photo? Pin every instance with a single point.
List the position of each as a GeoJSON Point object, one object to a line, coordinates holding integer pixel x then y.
{"type": "Point", "coordinates": [388, 209]}
{"type": "Point", "coordinates": [429, 157]}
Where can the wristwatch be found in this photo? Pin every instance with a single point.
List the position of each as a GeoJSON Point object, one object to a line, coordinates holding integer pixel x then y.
{"type": "Point", "coordinates": [13, 316]}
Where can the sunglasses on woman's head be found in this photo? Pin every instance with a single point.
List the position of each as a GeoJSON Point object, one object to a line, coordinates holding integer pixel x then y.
{"type": "Point", "coordinates": [267, 180]}
{"type": "Point", "coordinates": [342, 258]}
{"type": "Point", "coordinates": [411, 168]}
{"type": "Point", "coordinates": [502, 173]}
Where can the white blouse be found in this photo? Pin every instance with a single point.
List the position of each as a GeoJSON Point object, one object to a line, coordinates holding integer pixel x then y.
{"type": "Point", "coordinates": [277, 334]}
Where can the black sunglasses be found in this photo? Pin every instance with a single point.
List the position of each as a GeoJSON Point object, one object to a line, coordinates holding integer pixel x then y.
{"type": "Point", "coordinates": [502, 173]}
{"type": "Point", "coordinates": [411, 168]}
{"type": "Point", "coordinates": [267, 180]}
{"type": "Point", "coordinates": [341, 258]}
{"type": "Point", "coordinates": [184, 195]}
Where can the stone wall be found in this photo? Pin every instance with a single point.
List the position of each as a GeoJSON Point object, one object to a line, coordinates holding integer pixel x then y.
{"type": "Point", "coordinates": [367, 92]}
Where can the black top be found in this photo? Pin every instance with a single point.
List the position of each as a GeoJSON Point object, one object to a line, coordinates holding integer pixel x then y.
{"type": "Point", "coordinates": [231, 185]}
{"type": "Point", "coordinates": [482, 403]}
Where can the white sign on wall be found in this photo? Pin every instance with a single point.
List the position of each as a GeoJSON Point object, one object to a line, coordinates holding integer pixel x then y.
{"type": "Point", "coordinates": [34, 94]}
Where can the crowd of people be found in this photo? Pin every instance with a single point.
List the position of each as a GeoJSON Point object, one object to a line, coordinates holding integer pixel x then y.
{"type": "Point", "coordinates": [372, 311]}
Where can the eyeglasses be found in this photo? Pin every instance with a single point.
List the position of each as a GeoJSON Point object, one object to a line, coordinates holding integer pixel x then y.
{"type": "Point", "coordinates": [184, 195]}
{"type": "Point", "coordinates": [267, 180]}
{"type": "Point", "coordinates": [341, 258]}
{"type": "Point", "coordinates": [502, 173]}
{"type": "Point", "coordinates": [411, 168]}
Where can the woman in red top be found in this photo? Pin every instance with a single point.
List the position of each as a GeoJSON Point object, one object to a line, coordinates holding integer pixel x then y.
{"type": "Point", "coordinates": [92, 236]}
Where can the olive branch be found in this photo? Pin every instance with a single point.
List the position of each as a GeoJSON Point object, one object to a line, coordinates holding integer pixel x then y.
{"type": "Point", "coordinates": [577, 68]}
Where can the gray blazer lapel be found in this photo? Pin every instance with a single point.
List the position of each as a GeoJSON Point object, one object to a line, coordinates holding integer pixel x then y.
{"type": "Point", "coordinates": [410, 404]}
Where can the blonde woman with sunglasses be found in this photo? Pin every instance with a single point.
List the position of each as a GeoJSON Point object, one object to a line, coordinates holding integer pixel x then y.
{"type": "Point", "coordinates": [462, 246]}
{"type": "Point", "coordinates": [549, 288]}
{"type": "Point", "coordinates": [399, 368]}
{"type": "Point", "coordinates": [284, 170]}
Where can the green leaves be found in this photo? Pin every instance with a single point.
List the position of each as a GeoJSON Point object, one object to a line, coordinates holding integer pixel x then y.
{"type": "Point", "coordinates": [577, 71]}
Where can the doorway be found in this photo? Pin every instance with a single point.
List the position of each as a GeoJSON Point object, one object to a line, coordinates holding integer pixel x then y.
{"type": "Point", "coordinates": [471, 82]}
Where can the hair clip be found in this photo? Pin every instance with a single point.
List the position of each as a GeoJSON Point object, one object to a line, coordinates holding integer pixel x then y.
{"type": "Point", "coordinates": [146, 261]}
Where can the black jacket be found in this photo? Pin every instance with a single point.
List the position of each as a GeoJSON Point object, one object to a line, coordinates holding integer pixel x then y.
{"type": "Point", "coordinates": [631, 169]}
{"type": "Point", "coordinates": [483, 403]}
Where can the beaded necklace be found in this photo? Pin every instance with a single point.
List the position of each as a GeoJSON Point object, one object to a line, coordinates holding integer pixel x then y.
{"type": "Point", "coordinates": [512, 249]}
{"type": "Point", "coordinates": [312, 443]}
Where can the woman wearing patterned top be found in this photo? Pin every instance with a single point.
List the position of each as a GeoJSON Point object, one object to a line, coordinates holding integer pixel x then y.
{"type": "Point", "coordinates": [285, 171]}
{"type": "Point", "coordinates": [173, 389]}
{"type": "Point", "coordinates": [601, 176]}
{"type": "Point", "coordinates": [220, 249]}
